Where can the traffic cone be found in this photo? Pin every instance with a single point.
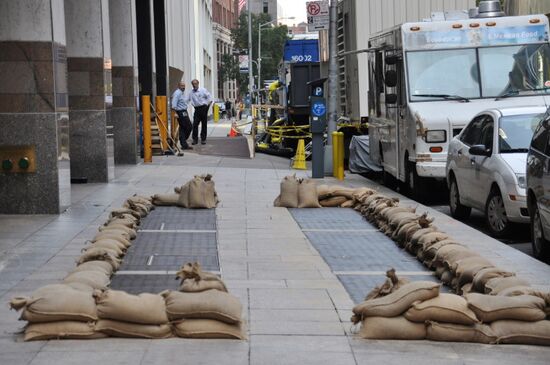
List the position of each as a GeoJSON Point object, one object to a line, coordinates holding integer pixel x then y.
{"type": "Point", "coordinates": [300, 158]}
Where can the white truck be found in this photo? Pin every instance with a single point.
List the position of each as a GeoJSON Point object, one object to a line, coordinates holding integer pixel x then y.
{"type": "Point", "coordinates": [428, 79]}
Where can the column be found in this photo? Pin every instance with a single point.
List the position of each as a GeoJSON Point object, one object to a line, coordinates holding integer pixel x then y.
{"type": "Point", "coordinates": [90, 90]}
{"type": "Point", "coordinates": [122, 16]}
{"type": "Point", "coordinates": [33, 108]}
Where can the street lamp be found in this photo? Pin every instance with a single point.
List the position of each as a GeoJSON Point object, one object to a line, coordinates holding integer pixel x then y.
{"type": "Point", "coordinates": [260, 26]}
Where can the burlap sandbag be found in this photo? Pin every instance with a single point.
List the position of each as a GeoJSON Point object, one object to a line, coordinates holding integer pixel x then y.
{"type": "Point", "coordinates": [522, 333]}
{"type": "Point", "coordinates": [490, 308]}
{"type": "Point", "coordinates": [122, 223]}
{"type": "Point", "coordinates": [183, 199]}
{"type": "Point", "coordinates": [114, 232]}
{"type": "Point", "coordinates": [56, 302]}
{"type": "Point", "coordinates": [110, 236]}
{"type": "Point", "coordinates": [447, 308]}
{"type": "Point", "coordinates": [197, 286]}
{"type": "Point", "coordinates": [118, 305]}
{"type": "Point", "coordinates": [323, 191]}
{"type": "Point", "coordinates": [391, 284]}
{"type": "Point", "coordinates": [412, 245]}
{"type": "Point", "coordinates": [195, 271]}
{"type": "Point", "coordinates": [307, 195]}
{"type": "Point", "coordinates": [210, 304]}
{"type": "Point", "coordinates": [118, 227]}
{"type": "Point", "coordinates": [333, 202]}
{"type": "Point", "coordinates": [95, 279]}
{"type": "Point", "coordinates": [133, 330]}
{"type": "Point", "coordinates": [346, 204]}
{"type": "Point", "coordinates": [121, 212]}
{"type": "Point", "coordinates": [395, 328]}
{"type": "Point", "coordinates": [396, 303]}
{"type": "Point", "coordinates": [453, 249]}
{"type": "Point", "coordinates": [202, 193]}
{"type": "Point", "coordinates": [166, 199]}
{"type": "Point", "coordinates": [102, 254]}
{"type": "Point", "coordinates": [449, 332]}
{"type": "Point", "coordinates": [484, 275]}
{"type": "Point", "coordinates": [61, 330]}
{"type": "Point", "coordinates": [467, 268]}
{"type": "Point", "coordinates": [496, 285]}
{"type": "Point", "coordinates": [208, 328]}
{"type": "Point", "coordinates": [289, 192]}
{"type": "Point", "coordinates": [96, 265]}
{"type": "Point", "coordinates": [111, 247]}
{"type": "Point", "coordinates": [429, 252]}
{"type": "Point", "coordinates": [126, 219]}
{"type": "Point", "coordinates": [111, 241]}
{"type": "Point", "coordinates": [527, 290]}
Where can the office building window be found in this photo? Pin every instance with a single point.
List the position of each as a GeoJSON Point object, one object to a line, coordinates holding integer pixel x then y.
{"type": "Point", "coordinates": [266, 7]}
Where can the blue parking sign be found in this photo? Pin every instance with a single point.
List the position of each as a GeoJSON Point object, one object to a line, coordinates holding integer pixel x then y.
{"type": "Point", "coordinates": [318, 109]}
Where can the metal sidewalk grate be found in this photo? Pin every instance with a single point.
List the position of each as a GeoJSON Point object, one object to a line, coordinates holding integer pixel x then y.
{"type": "Point", "coordinates": [176, 218]}
{"type": "Point", "coordinates": [136, 284]}
{"type": "Point", "coordinates": [330, 218]}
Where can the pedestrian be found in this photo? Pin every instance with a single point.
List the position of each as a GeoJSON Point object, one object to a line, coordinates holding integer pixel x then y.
{"type": "Point", "coordinates": [228, 109]}
{"type": "Point", "coordinates": [179, 104]}
{"type": "Point", "coordinates": [201, 100]}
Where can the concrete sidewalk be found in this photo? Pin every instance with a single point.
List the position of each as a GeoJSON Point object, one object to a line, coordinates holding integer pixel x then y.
{"type": "Point", "coordinates": [297, 310]}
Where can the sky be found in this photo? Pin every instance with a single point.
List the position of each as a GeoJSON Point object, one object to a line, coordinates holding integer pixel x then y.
{"type": "Point", "coordinates": [295, 8]}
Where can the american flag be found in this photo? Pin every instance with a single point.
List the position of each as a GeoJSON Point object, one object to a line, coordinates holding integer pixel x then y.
{"type": "Point", "coordinates": [242, 4]}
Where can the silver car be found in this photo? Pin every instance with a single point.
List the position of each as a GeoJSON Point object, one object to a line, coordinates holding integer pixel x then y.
{"type": "Point", "coordinates": [486, 166]}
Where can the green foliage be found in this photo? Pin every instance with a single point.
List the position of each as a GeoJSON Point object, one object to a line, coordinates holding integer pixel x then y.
{"type": "Point", "coordinates": [273, 40]}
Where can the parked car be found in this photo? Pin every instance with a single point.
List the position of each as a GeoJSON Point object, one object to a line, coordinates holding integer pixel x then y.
{"type": "Point", "coordinates": [538, 189]}
{"type": "Point", "coordinates": [486, 167]}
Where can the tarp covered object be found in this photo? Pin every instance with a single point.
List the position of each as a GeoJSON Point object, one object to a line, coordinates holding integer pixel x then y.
{"type": "Point", "coordinates": [359, 156]}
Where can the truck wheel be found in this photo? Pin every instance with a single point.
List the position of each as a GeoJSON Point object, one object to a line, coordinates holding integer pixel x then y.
{"type": "Point", "coordinates": [495, 214]}
{"type": "Point", "coordinates": [415, 184]}
{"type": "Point", "coordinates": [458, 210]}
{"type": "Point", "coordinates": [541, 246]}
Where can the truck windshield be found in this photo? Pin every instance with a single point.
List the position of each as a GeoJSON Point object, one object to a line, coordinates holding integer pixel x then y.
{"type": "Point", "coordinates": [516, 131]}
{"type": "Point", "coordinates": [500, 71]}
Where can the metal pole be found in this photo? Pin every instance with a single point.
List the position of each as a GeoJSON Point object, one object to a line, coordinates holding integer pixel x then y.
{"type": "Point", "coordinates": [332, 72]}
{"type": "Point", "coordinates": [250, 77]}
{"type": "Point", "coordinates": [146, 113]}
{"type": "Point", "coordinates": [259, 57]}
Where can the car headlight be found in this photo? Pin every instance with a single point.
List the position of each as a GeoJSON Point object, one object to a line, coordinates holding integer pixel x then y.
{"type": "Point", "coordinates": [522, 181]}
{"type": "Point", "coordinates": [437, 136]}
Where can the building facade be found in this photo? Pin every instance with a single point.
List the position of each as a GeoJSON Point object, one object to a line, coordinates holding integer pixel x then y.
{"type": "Point", "coordinates": [265, 7]}
{"type": "Point", "coordinates": [225, 17]}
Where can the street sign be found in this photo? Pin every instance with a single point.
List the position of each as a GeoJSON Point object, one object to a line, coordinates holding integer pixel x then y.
{"type": "Point", "coordinates": [243, 63]}
{"type": "Point", "coordinates": [317, 15]}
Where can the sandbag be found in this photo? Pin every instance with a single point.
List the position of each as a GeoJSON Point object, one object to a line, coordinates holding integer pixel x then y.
{"type": "Point", "coordinates": [333, 202]}
{"type": "Point", "coordinates": [396, 303]}
{"type": "Point", "coordinates": [395, 328]}
{"type": "Point", "coordinates": [346, 204]}
{"type": "Point", "coordinates": [118, 305]}
{"type": "Point", "coordinates": [496, 285]}
{"type": "Point", "coordinates": [484, 275]}
{"type": "Point", "coordinates": [450, 332]}
{"type": "Point", "coordinates": [429, 252]}
{"type": "Point", "coordinates": [527, 290]}
{"type": "Point", "coordinates": [307, 195]}
{"type": "Point", "coordinates": [127, 219]}
{"type": "Point", "coordinates": [391, 284]}
{"type": "Point", "coordinates": [114, 232]}
{"type": "Point", "coordinates": [467, 268]}
{"type": "Point", "coordinates": [114, 242]}
{"type": "Point", "coordinates": [194, 271]}
{"type": "Point", "coordinates": [447, 308]}
{"type": "Point", "coordinates": [101, 254]}
{"type": "Point", "coordinates": [95, 279]}
{"type": "Point", "coordinates": [289, 192]}
{"type": "Point", "coordinates": [96, 265]}
{"type": "Point", "coordinates": [210, 304]}
{"type": "Point", "coordinates": [208, 328]}
{"type": "Point", "coordinates": [122, 223]}
{"type": "Point", "coordinates": [56, 302]}
{"type": "Point", "coordinates": [120, 212]}
{"type": "Point", "coordinates": [111, 247]}
{"type": "Point", "coordinates": [183, 200]}
{"type": "Point", "coordinates": [118, 227]}
{"type": "Point", "coordinates": [60, 330]}
{"type": "Point", "coordinates": [197, 286]}
{"type": "Point", "coordinates": [166, 199]}
{"type": "Point", "coordinates": [133, 330]}
{"type": "Point", "coordinates": [110, 236]}
{"type": "Point", "coordinates": [490, 308]}
{"type": "Point", "coordinates": [524, 333]}
{"type": "Point", "coordinates": [202, 193]}
{"type": "Point", "coordinates": [412, 244]}
{"type": "Point", "coordinates": [323, 191]}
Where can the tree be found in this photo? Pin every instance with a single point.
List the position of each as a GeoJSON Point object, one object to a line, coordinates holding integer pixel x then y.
{"type": "Point", "coordinates": [273, 40]}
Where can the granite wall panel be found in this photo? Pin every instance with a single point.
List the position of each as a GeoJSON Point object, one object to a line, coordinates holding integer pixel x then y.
{"type": "Point", "coordinates": [125, 131]}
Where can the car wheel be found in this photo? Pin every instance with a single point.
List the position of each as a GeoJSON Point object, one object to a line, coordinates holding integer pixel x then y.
{"type": "Point", "coordinates": [458, 210]}
{"type": "Point", "coordinates": [541, 247]}
{"type": "Point", "coordinates": [415, 184]}
{"type": "Point", "coordinates": [495, 214]}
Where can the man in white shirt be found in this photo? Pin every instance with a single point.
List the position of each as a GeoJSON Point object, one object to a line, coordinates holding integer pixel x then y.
{"type": "Point", "coordinates": [201, 100]}
{"type": "Point", "coordinates": [179, 105]}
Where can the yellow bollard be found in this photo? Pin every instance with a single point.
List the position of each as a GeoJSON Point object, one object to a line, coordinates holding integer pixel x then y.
{"type": "Point", "coordinates": [146, 114]}
{"type": "Point", "coordinates": [162, 120]}
{"type": "Point", "coordinates": [340, 172]}
{"type": "Point", "coordinates": [216, 113]}
{"type": "Point", "coordinates": [300, 158]}
{"type": "Point", "coordinates": [335, 142]}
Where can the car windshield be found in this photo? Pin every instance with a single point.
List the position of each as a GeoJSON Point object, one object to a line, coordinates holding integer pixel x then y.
{"type": "Point", "coordinates": [500, 71]}
{"type": "Point", "coordinates": [516, 131]}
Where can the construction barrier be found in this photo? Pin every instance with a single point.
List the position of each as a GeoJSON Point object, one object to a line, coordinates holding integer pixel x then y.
{"type": "Point", "coordinates": [147, 144]}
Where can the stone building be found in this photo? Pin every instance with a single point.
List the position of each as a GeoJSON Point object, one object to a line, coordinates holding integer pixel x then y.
{"type": "Point", "coordinates": [224, 17]}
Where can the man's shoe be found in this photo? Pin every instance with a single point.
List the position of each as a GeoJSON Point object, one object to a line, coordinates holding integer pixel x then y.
{"type": "Point", "coordinates": [203, 142]}
{"type": "Point", "coordinates": [195, 142]}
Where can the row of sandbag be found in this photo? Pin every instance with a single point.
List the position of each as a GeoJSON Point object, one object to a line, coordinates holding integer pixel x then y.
{"type": "Point", "coordinates": [304, 193]}
{"type": "Point", "coordinates": [418, 311]}
{"type": "Point", "coordinates": [197, 193]}
{"type": "Point", "coordinates": [201, 308]}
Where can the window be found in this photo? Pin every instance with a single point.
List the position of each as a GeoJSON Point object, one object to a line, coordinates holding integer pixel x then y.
{"type": "Point", "coordinates": [487, 131]}
{"type": "Point", "coordinates": [472, 133]}
{"type": "Point", "coordinates": [515, 132]}
{"type": "Point", "coordinates": [540, 138]}
{"type": "Point", "coordinates": [266, 7]}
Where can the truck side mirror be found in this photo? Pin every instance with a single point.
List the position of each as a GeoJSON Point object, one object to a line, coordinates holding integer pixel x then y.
{"type": "Point", "coordinates": [390, 78]}
{"type": "Point", "coordinates": [391, 98]}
